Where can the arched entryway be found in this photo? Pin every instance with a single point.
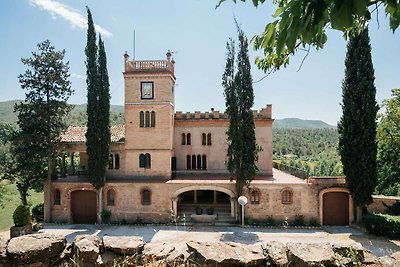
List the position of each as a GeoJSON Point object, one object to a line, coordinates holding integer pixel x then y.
{"type": "Point", "coordinates": [84, 206]}
{"type": "Point", "coordinates": [335, 206]}
{"type": "Point", "coordinates": [194, 199]}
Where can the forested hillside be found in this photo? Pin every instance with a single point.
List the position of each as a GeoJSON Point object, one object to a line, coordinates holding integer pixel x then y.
{"type": "Point", "coordinates": [77, 116]}
{"type": "Point", "coordinates": [313, 151]}
{"type": "Point", "coordinates": [295, 123]}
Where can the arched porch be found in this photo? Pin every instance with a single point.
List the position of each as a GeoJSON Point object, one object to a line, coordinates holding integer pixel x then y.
{"type": "Point", "coordinates": [191, 199]}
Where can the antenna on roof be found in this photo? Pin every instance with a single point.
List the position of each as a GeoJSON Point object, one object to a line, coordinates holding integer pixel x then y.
{"type": "Point", "coordinates": [134, 44]}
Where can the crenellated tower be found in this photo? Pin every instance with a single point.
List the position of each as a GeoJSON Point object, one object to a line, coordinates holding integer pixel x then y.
{"type": "Point", "coordinates": [149, 116]}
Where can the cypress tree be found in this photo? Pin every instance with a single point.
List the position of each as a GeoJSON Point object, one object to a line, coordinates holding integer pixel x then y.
{"type": "Point", "coordinates": [357, 126]}
{"type": "Point", "coordinates": [95, 139]}
{"type": "Point", "coordinates": [239, 98]}
{"type": "Point", "coordinates": [104, 108]}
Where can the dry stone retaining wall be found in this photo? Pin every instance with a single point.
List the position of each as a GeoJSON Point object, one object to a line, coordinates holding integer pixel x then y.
{"type": "Point", "coordinates": [39, 250]}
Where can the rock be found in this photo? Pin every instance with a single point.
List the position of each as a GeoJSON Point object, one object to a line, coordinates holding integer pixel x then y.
{"type": "Point", "coordinates": [16, 231]}
{"type": "Point", "coordinates": [276, 252]}
{"type": "Point", "coordinates": [227, 254]}
{"type": "Point", "coordinates": [157, 251]}
{"type": "Point", "coordinates": [369, 258]}
{"type": "Point", "coordinates": [396, 256]}
{"type": "Point", "coordinates": [305, 255]}
{"type": "Point", "coordinates": [87, 248]}
{"type": "Point", "coordinates": [106, 259]}
{"type": "Point", "coordinates": [388, 261]}
{"type": "Point", "coordinates": [4, 259]}
{"type": "Point", "coordinates": [125, 245]}
{"type": "Point", "coordinates": [67, 253]}
{"type": "Point", "coordinates": [35, 248]}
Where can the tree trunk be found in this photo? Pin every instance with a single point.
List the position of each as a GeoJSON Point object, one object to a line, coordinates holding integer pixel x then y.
{"type": "Point", "coordinates": [100, 201]}
{"type": "Point", "coordinates": [47, 192]}
{"type": "Point", "coordinates": [359, 213]}
{"type": "Point", "coordinates": [23, 192]}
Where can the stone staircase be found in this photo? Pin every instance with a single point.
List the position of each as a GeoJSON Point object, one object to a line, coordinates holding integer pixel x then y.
{"type": "Point", "coordinates": [222, 211]}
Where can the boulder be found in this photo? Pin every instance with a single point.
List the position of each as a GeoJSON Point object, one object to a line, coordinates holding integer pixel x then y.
{"type": "Point", "coordinates": [106, 259]}
{"type": "Point", "coordinates": [227, 254]}
{"type": "Point", "coordinates": [305, 255]}
{"type": "Point", "coordinates": [4, 259]}
{"type": "Point", "coordinates": [157, 250]}
{"type": "Point", "coordinates": [87, 248]}
{"type": "Point", "coordinates": [35, 248]}
{"type": "Point", "coordinates": [388, 261]}
{"type": "Point", "coordinates": [276, 252]}
{"type": "Point", "coordinates": [67, 253]}
{"type": "Point", "coordinates": [125, 245]}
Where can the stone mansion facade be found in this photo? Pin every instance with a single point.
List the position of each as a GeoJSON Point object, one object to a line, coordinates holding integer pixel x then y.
{"type": "Point", "coordinates": [165, 162]}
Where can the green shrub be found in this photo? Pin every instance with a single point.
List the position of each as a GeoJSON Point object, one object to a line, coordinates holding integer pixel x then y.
{"type": "Point", "coordinates": [298, 220]}
{"type": "Point", "coordinates": [314, 222]}
{"type": "Point", "coordinates": [22, 216]}
{"type": "Point", "coordinates": [383, 224]}
{"type": "Point", "coordinates": [270, 221]}
{"type": "Point", "coordinates": [38, 209]}
{"type": "Point", "coordinates": [105, 216]}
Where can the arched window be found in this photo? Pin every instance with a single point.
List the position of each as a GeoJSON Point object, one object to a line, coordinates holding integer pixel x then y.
{"type": "Point", "coordinates": [188, 163]}
{"type": "Point", "coordinates": [209, 139]}
{"type": "Point", "coordinates": [110, 197]}
{"type": "Point", "coordinates": [142, 161]}
{"type": "Point", "coordinates": [287, 196]}
{"type": "Point", "coordinates": [183, 139]}
{"type": "Point", "coordinates": [57, 197]}
{"type": "Point", "coordinates": [198, 162]}
{"type": "Point", "coordinates": [146, 198]}
{"type": "Point", "coordinates": [111, 162]}
{"type": "Point", "coordinates": [147, 119]}
{"type": "Point", "coordinates": [203, 139]}
{"type": "Point", "coordinates": [141, 118]}
{"type": "Point", "coordinates": [193, 162]}
{"type": "Point", "coordinates": [153, 119]}
{"type": "Point", "coordinates": [204, 161]}
{"type": "Point", "coordinates": [255, 196]}
{"type": "Point", "coordinates": [147, 161]}
{"type": "Point", "coordinates": [116, 159]}
{"type": "Point", "coordinates": [189, 139]}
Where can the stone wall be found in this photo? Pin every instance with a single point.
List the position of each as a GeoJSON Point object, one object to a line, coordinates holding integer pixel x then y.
{"type": "Point", "coordinates": [380, 203]}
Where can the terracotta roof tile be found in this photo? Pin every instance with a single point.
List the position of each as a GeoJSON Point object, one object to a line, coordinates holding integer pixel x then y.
{"type": "Point", "coordinates": [76, 134]}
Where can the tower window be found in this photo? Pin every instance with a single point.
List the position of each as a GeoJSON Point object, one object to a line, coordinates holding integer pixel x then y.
{"type": "Point", "coordinates": [145, 161]}
{"type": "Point", "coordinates": [188, 139]}
{"type": "Point", "coordinates": [203, 139]}
{"type": "Point", "coordinates": [147, 119]}
{"type": "Point", "coordinates": [111, 162]}
{"type": "Point", "coordinates": [141, 118]}
{"type": "Point", "coordinates": [209, 139]}
{"type": "Point", "coordinates": [204, 161]}
{"type": "Point", "coordinates": [188, 162]}
{"type": "Point", "coordinates": [153, 119]}
{"type": "Point", "coordinates": [255, 196]}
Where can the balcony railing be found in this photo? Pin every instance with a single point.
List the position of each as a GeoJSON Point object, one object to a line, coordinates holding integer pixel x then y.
{"type": "Point", "coordinates": [149, 65]}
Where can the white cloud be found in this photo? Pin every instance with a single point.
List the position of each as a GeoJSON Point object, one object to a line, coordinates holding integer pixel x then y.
{"type": "Point", "coordinates": [75, 18]}
{"type": "Point", "coordinates": [78, 76]}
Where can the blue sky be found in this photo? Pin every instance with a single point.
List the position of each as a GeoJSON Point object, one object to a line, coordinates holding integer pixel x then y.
{"type": "Point", "coordinates": [198, 33]}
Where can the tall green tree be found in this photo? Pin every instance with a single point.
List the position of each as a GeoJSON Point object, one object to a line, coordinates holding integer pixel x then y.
{"type": "Point", "coordinates": [98, 107]}
{"type": "Point", "coordinates": [357, 126]}
{"type": "Point", "coordinates": [389, 147]}
{"type": "Point", "coordinates": [40, 117]}
{"type": "Point", "coordinates": [239, 98]}
{"type": "Point", "coordinates": [303, 23]}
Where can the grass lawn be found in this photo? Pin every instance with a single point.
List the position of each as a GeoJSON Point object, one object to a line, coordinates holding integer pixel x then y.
{"type": "Point", "coordinates": [11, 201]}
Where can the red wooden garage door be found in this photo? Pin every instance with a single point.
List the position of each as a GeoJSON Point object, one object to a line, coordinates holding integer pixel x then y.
{"type": "Point", "coordinates": [336, 208]}
{"type": "Point", "coordinates": [84, 206]}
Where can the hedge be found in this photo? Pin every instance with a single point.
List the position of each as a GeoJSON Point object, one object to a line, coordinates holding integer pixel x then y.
{"type": "Point", "coordinates": [383, 224]}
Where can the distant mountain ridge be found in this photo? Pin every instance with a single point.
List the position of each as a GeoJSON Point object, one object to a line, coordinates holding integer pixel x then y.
{"type": "Point", "coordinates": [296, 123]}
{"type": "Point", "coordinates": [78, 117]}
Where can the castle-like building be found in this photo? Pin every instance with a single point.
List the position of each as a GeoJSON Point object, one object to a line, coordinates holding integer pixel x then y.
{"type": "Point", "coordinates": [167, 163]}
